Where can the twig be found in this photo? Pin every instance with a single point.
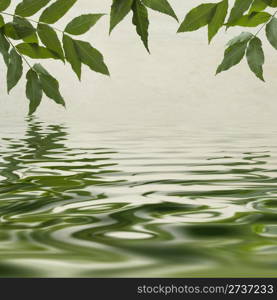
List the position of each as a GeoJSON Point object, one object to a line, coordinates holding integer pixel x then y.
{"type": "Point", "coordinates": [31, 20]}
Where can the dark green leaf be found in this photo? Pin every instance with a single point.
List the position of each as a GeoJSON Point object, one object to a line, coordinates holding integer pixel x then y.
{"type": "Point", "coordinates": [33, 90]}
{"type": "Point", "coordinates": [35, 51]}
{"type": "Point", "coordinates": [271, 32]}
{"type": "Point", "coordinates": [161, 6]}
{"type": "Point", "coordinates": [4, 47]}
{"type": "Point", "coordinates": [49, 84]}
{"type": "Point", "coordinates": [91, 57]}
{"type": "Point", "coordinates": [140, 20]}
{"type": "Point", "coordinates": [50, 39]}
{"type": "Point", "coordinates": [15, 70]}
{"type": "Point", "coordinates": [18, 29]}
{"type": "Point", "coordinates": [72, 55]}
{"type": "Point", "coordinates": [218, 19]}
{"type": "Point", "coordinates": [119, 10]}
{"type": "Point", "coordinates": [82, 24]}
{"type": "Point", "coordinates": [232, 56]}
{"type": "Point", "coordinates": [56, 11]}
{"type": "Point", "coordinates": [198, 17]}
{"type": "Point", "coordinates": [4, 4]}
{"type": "Point", "coordinates": [271, 3]}
{"type": "Point", "coordinates": [255, 57]}
{"type": "Point", "coordinates": [27, 8]}
{"type": "Point", "coordinates": [2, 22]}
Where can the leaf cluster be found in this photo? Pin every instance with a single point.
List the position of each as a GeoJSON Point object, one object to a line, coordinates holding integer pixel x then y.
{"type": "Point", "coordinates": [22, 38]}
{"type": "Point", "coordinates": [243, 13]}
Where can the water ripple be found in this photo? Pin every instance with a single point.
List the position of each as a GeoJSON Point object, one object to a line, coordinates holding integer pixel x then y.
{"type": "Point", "coordinates": [137, 203]}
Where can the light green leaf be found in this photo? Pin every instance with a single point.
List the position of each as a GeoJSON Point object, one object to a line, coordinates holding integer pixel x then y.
{"type": "Point", "coordinates": [255, 57]}
{"type": "Point", "coordinates": [31, 39]}
{"type": "Point", "coordinates": [91, 57]}
{"type": "Point", "coordinates": [33, 90]}
{"type": "Point", "coordinates": [243, 37]}
{"type": "Point", "coordinates": [27, 8]}
{"type": "Point", "coordinates": [232, 56]}
{"type": "Point", "coordinates": [240, 7]}
{"type": "Point", "coordinates": [257, 5]}
{"type": "Point", "coordinates": [82, 24]}
{"type": "Point", "coordinates": [35, 51]}
{"type": "Point", "coordinates": [72, 55]}
{"type": "Point", "coordinates": [218, 19]}
{"type": "Point", "coordinates": [50, 39]}
{"type": "Point", "coordinates": [198, 17]}
{"type": "Point", "coordinates": [15, 70]}
{"type": "Point", "coordinates": [140, 20]}
{"type": "Point", "coordinates": [56, 11]}
{"type": "Point", "coordinates": [4, 48]}
{"type": "Point", "coordinates": [119, 10]}
{"type": "Point", "coordinates": [271, 32]}
{"type": "Point", "coordinates": [252, 20]}
{"type": "Point", "coordinates": [4, 4]}
{"type": "Point", "coordinates": [161, 6]}
{"type": "Point", "coordinates": [49, 84]}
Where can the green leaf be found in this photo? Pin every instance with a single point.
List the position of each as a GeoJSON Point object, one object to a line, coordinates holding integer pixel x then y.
{"type": "Point", "coordinates": [91, 57]}
{"type": "Point", "coordinates": [31, 39]}
{"type": "Point", "coordinates": [15, 70]}
{"type": "Point", "coordinates": [33, 90]}
{"type": "Point", "coordinates": [271, 3]}
{"type": "Point", "coordinates": [243, 37]}
{"type": "Point", "coordinates": [49, 84]}
{"type": "Point", "coordinates": [4, 4]}
{"type": "Point", "coordinates": [198, 17]}
{"type": "Point", "coordinates": [240, 7]}
{"type": "Point", "coordinates": [119, 10]}
{"type": "Point", "coordinates": [27, 8]}
{"type": "Point", "coordinates": [232, 56]}
{"type": "Point", "coordinates": [18, 29]}
{"type": "Point", "coordinates": [82, 24]}
{"type": "Point", "coordinates": [161, 6]}
{"type": "Point", "coordinates": [252, 20]}
{"type": "Point", "coordinates": [140, 20]}
{"type": "Point", "coordinates": [258, 5]}
{"type": "Point", "coordinates": [2, 22]}
{"type": "Point", "coordinates": [218, 19]}
{"type": "Point", "coordinates": [50, 39]}
{"type": "Point", "coordinates": [72, 55]}
{"type": "Point", "coordinates": [4, 48]}
{"type": "Point", "coordinates": [271, 32]}
{"type": "Point", "coordinates": [56, 11]}
{"type": "Point", "coordinates": [255, 57]}
{"type": "Point", "coordinates": [35, 51]}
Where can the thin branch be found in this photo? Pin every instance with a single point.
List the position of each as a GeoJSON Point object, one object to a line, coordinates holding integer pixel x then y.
{"type": "Point", "coordinates": [31, 20]}
{"type": "Point", "coordinates": [21, 55]}
{"type": "Point", "coordinates": [263, 26]}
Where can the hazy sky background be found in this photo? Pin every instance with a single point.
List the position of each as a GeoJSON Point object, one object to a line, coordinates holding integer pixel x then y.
{"type": "Point", "coordinates": [173, 85]}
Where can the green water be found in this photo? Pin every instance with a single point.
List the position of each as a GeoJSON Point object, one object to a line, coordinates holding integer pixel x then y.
{"type": "Point", "coordinates": [139, 202]}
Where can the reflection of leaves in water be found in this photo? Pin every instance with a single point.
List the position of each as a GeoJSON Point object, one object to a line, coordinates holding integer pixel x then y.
{"type": "Point", "coordinates": [80, 206]}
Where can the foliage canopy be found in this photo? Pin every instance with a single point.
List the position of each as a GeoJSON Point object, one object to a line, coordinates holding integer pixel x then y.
{"type": "Point", "coordinates": [22, 38]}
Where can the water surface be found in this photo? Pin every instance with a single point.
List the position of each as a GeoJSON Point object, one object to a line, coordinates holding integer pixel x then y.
{"type": "Point", "coordinates": [137, 201]}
